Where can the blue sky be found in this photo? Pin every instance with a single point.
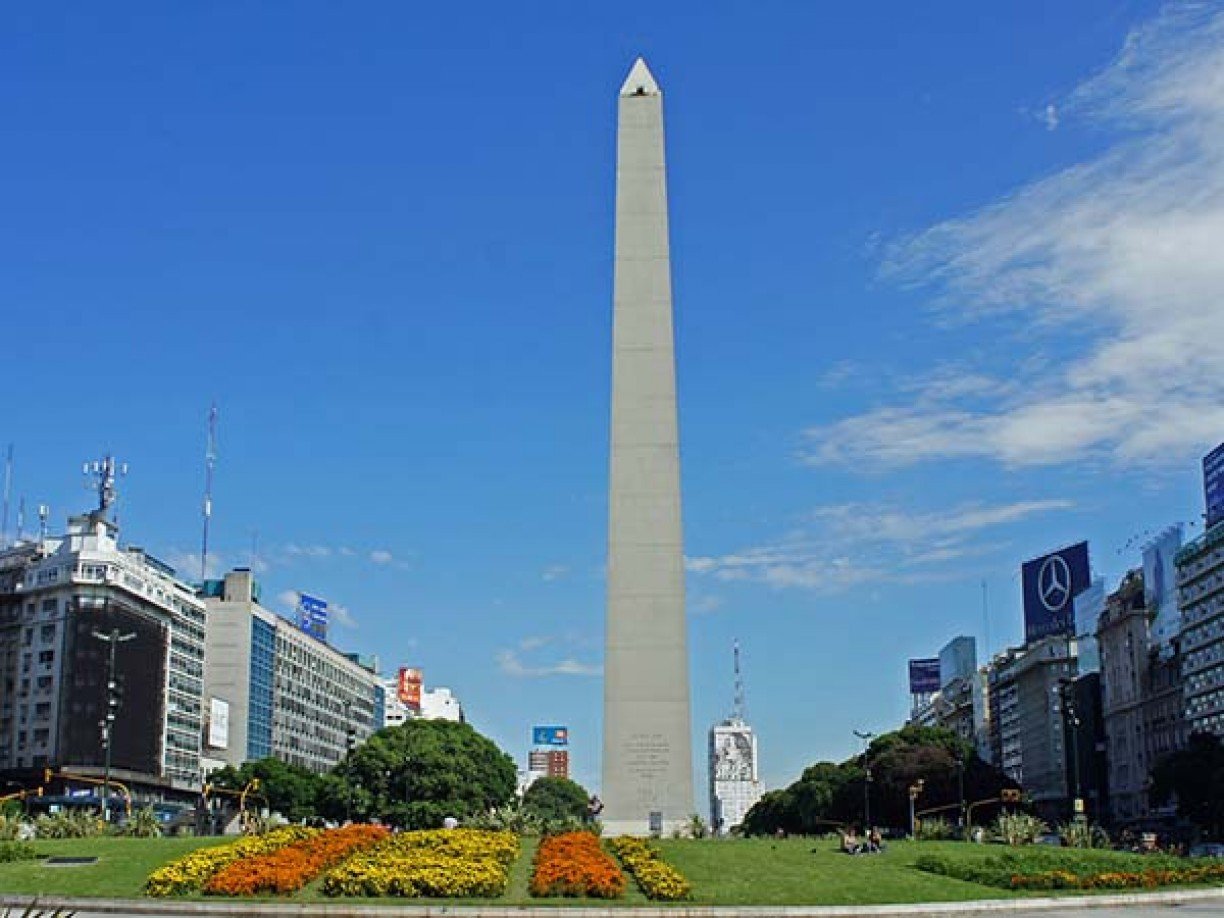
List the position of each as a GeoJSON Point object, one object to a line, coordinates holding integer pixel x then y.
{"type": "Point", "coordinates": [948, 294]}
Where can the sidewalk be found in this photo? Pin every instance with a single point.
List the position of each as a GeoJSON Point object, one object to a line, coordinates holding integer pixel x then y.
{"type": "Point", "coordinates": [998, 907]}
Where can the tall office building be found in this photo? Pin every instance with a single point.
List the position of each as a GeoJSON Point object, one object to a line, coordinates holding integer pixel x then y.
{"type": "Point", "coordinates": [735, 781]}
{"type": "Point", "coordinates": [289, 695]}
{"type": "Point", "coordinates": [647, 753]}
{"type": "Point", "coordinates": [60, 599]}
{"type": "Point", "coordinates": [1200, 586]}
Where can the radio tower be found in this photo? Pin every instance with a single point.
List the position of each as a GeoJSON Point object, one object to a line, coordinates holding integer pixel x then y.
{"type": "Point", "coordinates": [8, 488]}
{"type": "Point", "coordinates": [737, 712]}
{"type": "Point", "coordinates": [101, 476]}
{"type": "Point", "coordinates": [210, 459]}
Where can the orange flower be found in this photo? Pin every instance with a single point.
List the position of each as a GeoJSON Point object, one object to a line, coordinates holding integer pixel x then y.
{"type": "Point", "coordinates": [289, 869]}
{"type": "Point", "coordinates": [574, 864]}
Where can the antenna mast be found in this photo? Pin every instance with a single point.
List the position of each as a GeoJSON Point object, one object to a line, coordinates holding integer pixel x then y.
{"type": "Point", "coordinates": [210, 459]}
{"type": "Point", "coordinates": [737, 712]}
{"type": "Point", "coordinates": [103, 474]}
{"type": "Point", "coordinates": [8, 490]}
{"type": "Point", "coordinates": [21, 518]}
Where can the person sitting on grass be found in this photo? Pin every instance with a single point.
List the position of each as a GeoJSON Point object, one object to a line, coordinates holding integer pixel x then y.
{"type": "Point", "coordinates": [850, 842]}
{"type": "Point", "coordinates": [875, 842]}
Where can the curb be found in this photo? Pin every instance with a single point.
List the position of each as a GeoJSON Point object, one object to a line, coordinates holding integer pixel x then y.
{"type": "Point", "coordinates": [339, 910]}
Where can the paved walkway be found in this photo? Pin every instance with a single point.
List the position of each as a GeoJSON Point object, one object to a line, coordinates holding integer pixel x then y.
{"type": "Point", "coordinates": [1198, 903]}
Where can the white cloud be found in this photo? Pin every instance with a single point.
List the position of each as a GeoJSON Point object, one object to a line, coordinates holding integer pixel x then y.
{"type": "Point", "coordinates": [510, 663]}
{"type": "Point", "coordinates": [846, 545]}
{"type": "Point", "coordinates": [288, 599]}
{"type": "Point", "coordinates": [186, 564]}
{"type": "Point", "coordinates": [1051, 117]}
{"type": "Point", "coordinates": [381, 556]}
{"type": "Point", "coordinates": [554, 572]}
{"type": "Point", "coordinates": [307, 551]}
{"type": "Point", "coordinates": [341, 615]}
{"type": "Point", "coordinates": [1112, 267]}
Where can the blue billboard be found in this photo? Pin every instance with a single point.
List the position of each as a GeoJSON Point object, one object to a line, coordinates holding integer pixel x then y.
{"type": "Point", "coordinates": [1213, 485]}
{"type": "Point", "coordinates": [924, 676]}
{"type": "Point", "coordinates": [549, 736]}
{"type": "Point", "coordinates": [312, 616]}
{"type": "Point", "coordinates": [1051, 584]}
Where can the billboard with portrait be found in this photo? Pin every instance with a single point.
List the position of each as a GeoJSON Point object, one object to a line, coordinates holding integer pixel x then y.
{"type": "Point", "coordinates": [1051, 584]}
{"type": "Point", "coordinates": [924, 676]}
{"type": "Point", "coordinates": [408, 688]}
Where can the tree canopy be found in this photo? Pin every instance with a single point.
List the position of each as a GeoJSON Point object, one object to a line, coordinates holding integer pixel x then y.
{"type": "Point", "coordinates": [556, 800]}
{"type": "Point", "coordinates": [1195, 775]}
{"type": "Point", "coordinates": [828, 794]}
{"type": "Point", "coordinates": [416, 774]}
{"type": "Point", "coordinates": [287, 789]}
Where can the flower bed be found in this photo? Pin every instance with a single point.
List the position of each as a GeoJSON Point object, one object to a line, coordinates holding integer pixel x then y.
{"type": "Point", "coordinates": [1074, 869]}
{"type": "Point", "coordinates": [190, 872]}
{"type": "Point", "coordinates": [290, 868]}
{"type": "Point", "coordinates": [574, 864]}
{"type": "Point", "coordinates": [438, 864]}
{"type": "Point", "coordinates": [656, 878]}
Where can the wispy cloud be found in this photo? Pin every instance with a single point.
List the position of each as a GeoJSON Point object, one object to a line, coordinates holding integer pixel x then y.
{"type": "Point", "coordinates": [381, 556]}
{"type": "Point", "coordinates": [846, 545]}
{"type": "Point", "coordinates": [1113, 269]}
{"type": "Point", "coordinates": [554, 572]}
{"type": "Point", "coordinates": [510, 663]}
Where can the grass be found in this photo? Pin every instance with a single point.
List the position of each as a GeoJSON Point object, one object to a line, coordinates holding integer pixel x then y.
{"type": "Point", "coordinates": [793, 871]}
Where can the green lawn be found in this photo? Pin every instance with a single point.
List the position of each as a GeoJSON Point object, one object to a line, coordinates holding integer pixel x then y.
{"type": "Point", "coordinates": [792, 871]}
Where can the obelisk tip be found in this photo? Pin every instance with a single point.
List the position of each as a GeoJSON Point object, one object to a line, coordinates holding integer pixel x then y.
{"type": "Point", "coordinates": [641, 81]}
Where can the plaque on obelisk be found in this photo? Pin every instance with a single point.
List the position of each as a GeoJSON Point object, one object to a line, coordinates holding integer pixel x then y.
{"type": "Point", "coordinates": [647, 756]}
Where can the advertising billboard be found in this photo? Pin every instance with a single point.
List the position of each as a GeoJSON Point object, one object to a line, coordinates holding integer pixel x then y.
{"type": "Point", "coordinates": [1160, 588]}
{"type": "Point", "coordinates": [312, 616]}
{"type": "Point", "coordinates": [549, 736]}
{"type": "Point", "coordinates": [1213, 485]}
{"type": "Point", "coordinates": [408, 688]}
{"type": "Point", "coordinates": [218, 723]}
{"type": "Point", "coordinates": [1051, 584]}
{"type": "Point", "coordinates": [957, 660]}
{"type": "Point", "coordinates": [924, 676]}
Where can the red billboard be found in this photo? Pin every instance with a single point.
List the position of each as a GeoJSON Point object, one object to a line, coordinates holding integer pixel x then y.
{"type": "Point", "coordinates": [409, 688]}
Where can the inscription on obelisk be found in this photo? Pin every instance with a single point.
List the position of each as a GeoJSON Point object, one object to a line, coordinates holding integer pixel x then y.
{"type": "Point", "coordinates": [647, 754]}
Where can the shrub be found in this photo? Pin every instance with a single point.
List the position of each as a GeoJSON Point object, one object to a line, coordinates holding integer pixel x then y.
{"type": "Point", "coordinates": [935, 830]}
{"type": "Point", "coordinates": [1081, 834]}
{"type": "Point", "coordinates": [188, 873]}
{"type": "Point", "coordinates": [288, 869]}
{"type": "Point", "coordinates": [1070, 868]}
{"type": "Point", "coordinates": [433, 863]}
{"type": "Point", "coordinates": [574, 864]}
{"type": "Point", "coordinates": [16, 851]}
{"type": "Point", "coordinates": [69, 824]}
{"type": "Point", "coordinates": [655, 877]}
{"type": "Point", "coordinates": [1018, 828]}
{"type": "Point", "coordinates": [143, 824]}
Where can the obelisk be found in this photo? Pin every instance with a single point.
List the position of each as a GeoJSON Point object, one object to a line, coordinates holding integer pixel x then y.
{"type": "Point", "coordinates": [647, 754]}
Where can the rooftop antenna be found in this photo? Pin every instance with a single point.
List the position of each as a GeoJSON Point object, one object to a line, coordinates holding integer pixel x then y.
{"type": "Point", "coordinates": [8, 490]}
{"type": "Point", "coordinates": [21, 518]}
{"type": "Point", "coordinates": [737, 712]}
{"type": "Point", "coordinates": [43, 512]}
{"type": "Point", "coordinates": [985, 620]}
{"type": "Point", "coordinates": [101, 475]}
{"type": "Point", "coordinates": [210, 459]}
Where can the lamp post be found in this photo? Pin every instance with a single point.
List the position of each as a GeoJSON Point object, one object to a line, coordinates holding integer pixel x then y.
{"type": "Point", "coordinates": [114, 638]}
{"type": "Point", "coordinates": [914, 790]}
{"type": "Point", "coordinates": [866, 737]}
{"type": "Point", "coordinates": [1071, 720]}
{"type": "Point", "coordinates": [960, 787]}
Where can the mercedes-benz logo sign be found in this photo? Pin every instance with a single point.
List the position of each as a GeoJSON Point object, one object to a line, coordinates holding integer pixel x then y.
{"type": "Point", "coordinates": [1054, 583]}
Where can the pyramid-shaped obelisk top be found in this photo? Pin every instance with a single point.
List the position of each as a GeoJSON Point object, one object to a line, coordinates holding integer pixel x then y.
{"type": "Point", "coordinates": [641, 81]}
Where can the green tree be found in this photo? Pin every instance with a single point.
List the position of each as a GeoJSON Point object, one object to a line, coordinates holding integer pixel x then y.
{"type": "Point", "coordinates": [1195, 776]}
{"type": "Point", "coordinates": [416, 774]}
{"type": "Point", "coordinates": [556, 800]}
{"type": "Point", "coordinates": [288, 789]}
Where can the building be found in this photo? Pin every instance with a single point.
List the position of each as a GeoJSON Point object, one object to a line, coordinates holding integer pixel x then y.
{"type": "Point", "coordinates": [647, 726]}
{"type": "Point", "coordinates": [1200, 589]}
{"type": "Point", "coordinates": [735, 782]}
{"type": "Point", "coordinates": [436, 704]}
{"type": "Point", "coordinates": [289, 695]}
{"type": "Point", "coordinates": [1027, 729]}
{"type": "Point", "coordinates": [548, 763]}
{"type": "Point", "coordinates": [961, 704]}
{"type": "Point", "coordinates": [1141, 693]}
{"type": "Point", "coordinates": [58, 597]}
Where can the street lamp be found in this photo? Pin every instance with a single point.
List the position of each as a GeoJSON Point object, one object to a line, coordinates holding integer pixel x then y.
{"type": "Point", "coordinates": [1070, 716]}
{"type": "Point", "coordinates": [112, 707]}
{"type": "Point", "coordinates": [960, 786]}
{"type": "Point", "coordinates": [866, 737]}
{"type": "Point", "coordinates": [914, 790]}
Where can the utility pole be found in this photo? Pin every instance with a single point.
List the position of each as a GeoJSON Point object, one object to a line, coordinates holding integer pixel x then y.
{"type": "Point", "coordinates": [866, 737]}
{"type": "Point", "coordinates": [210, 459]}
{"type": "Point", "coordinates": [1071, 721]}
{"type": "Point", "coordinates": [112, 707]}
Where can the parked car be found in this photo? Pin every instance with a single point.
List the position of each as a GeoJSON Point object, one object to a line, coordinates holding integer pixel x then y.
{"type": "Point", "coordinates": [1207, 849]}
